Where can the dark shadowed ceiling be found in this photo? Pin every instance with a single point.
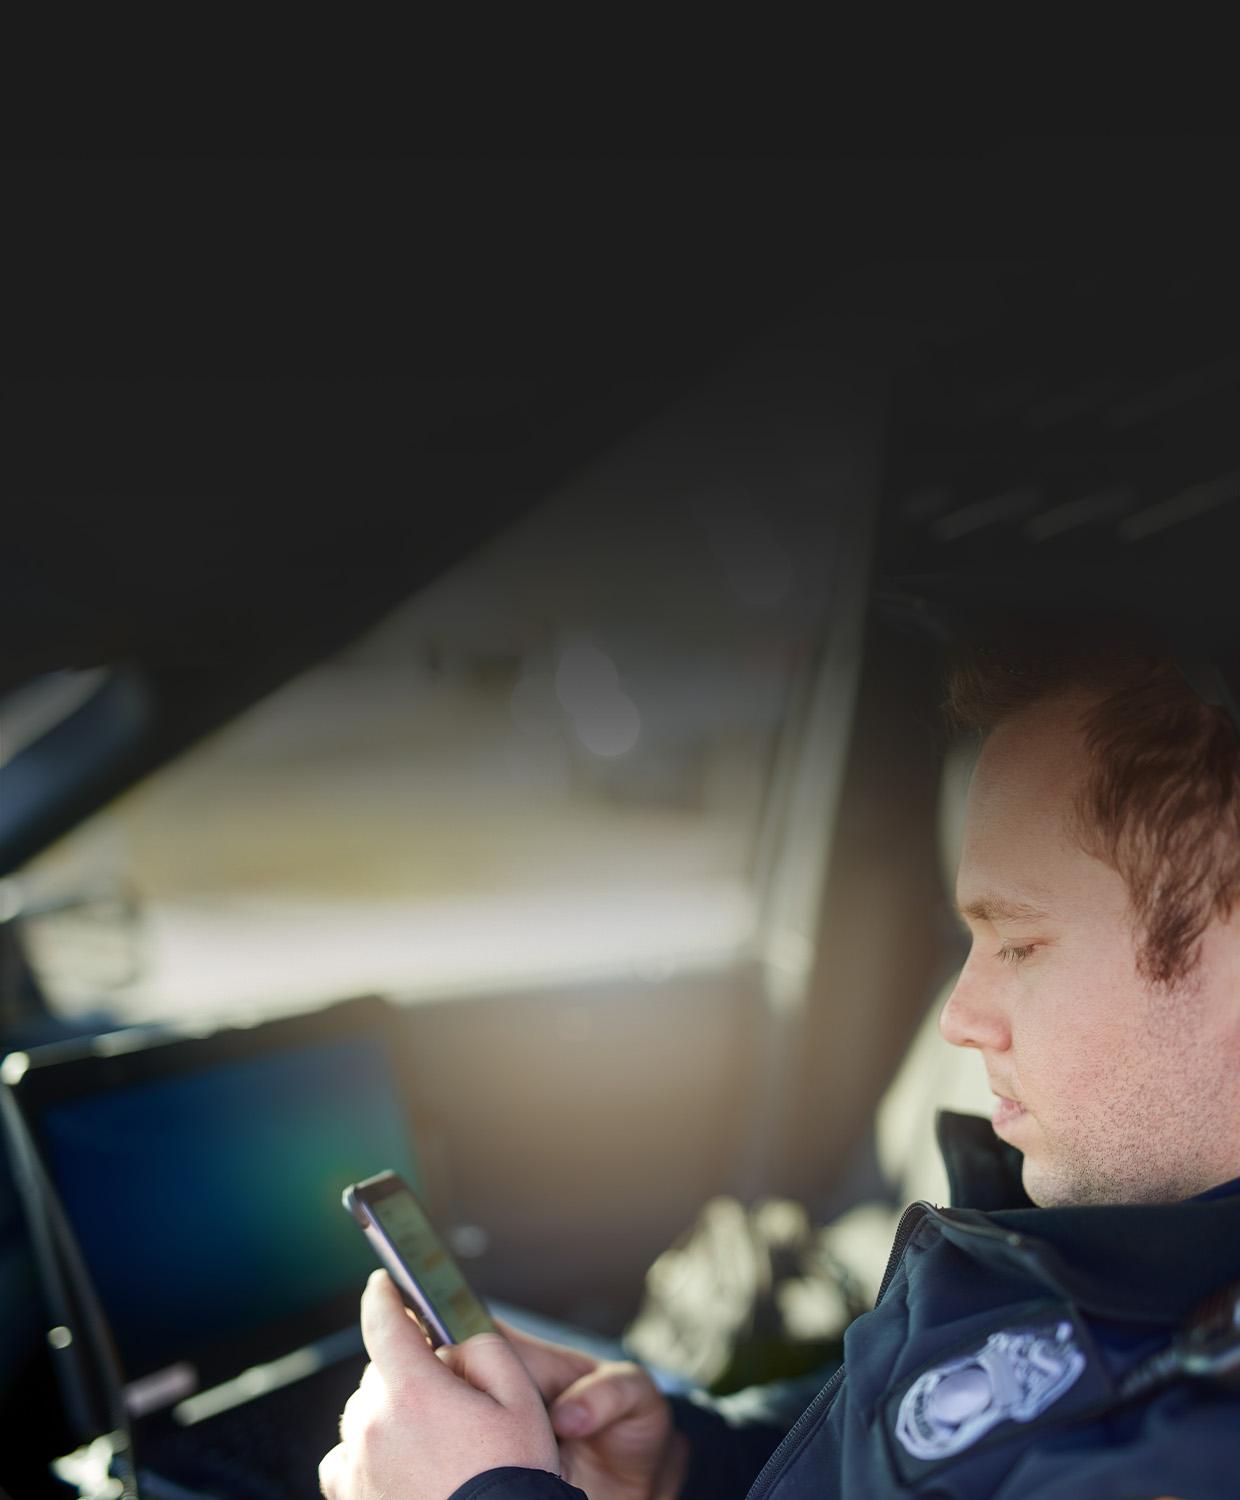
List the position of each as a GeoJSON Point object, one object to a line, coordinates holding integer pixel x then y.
{"type": "Point", "coordinates": [261, 402]}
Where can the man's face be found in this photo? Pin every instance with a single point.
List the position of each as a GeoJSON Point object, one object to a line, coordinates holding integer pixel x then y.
{"type": "Point", "coordinates": [1115, 1090]}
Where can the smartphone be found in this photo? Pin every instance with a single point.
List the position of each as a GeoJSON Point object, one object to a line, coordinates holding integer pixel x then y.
{"type": "Point", "coordinates": [417, 1260]}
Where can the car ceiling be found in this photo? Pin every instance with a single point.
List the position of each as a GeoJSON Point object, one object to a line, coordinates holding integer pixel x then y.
{"type": "Point", "coordinates": [270, 400]}
{"type": "Point", "coordinates": [216, 530]}
{"type": "Point", "coordinates": [1070, 447]}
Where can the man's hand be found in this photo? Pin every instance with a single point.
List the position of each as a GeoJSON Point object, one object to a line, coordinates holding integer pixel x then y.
{"type": "Point", "coordinates": [419, 1426]}
{"type": "Point", "coordinates": [615, 1427]}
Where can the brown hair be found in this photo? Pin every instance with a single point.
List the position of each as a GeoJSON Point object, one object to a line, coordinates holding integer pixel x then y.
{"type": "Point", "coordinates": [1161, 804]}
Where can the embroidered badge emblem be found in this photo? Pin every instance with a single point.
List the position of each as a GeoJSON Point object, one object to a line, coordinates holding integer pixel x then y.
{"type": "Point", "coordinates": [1013, 1377]}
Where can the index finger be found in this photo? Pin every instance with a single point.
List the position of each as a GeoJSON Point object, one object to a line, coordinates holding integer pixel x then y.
{"type": "Point", "coordinates": [395, 1342]}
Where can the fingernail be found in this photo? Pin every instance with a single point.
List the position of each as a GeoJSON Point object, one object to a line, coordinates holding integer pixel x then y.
{"type": "Point", "coordinates": [571, 1417]}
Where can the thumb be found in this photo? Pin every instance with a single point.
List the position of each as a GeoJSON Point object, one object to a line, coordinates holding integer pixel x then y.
{"type": "Point", "coordinates": [605, 1396]}
{"type": "Point", "coordinates": [491, 1365]}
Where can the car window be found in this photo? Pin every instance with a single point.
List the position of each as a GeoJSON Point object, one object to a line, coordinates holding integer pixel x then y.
{"type": "Point", "coordinates": [554, 761]}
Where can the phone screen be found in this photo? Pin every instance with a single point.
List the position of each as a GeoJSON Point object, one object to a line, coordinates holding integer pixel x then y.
{"type": "Point", "coordinates": [403, 1221]}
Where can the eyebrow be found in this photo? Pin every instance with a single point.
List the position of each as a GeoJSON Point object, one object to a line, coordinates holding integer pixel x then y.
{"type": "Point", "coordinates": [991, 908]}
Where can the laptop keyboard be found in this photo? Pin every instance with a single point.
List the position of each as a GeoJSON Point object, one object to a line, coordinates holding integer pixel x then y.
{"type": "Point", "coordinates": [268, 1449]}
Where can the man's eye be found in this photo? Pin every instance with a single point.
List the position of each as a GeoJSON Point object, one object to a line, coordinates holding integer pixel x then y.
{"type": "Point", "coordinates": [1015, 953]}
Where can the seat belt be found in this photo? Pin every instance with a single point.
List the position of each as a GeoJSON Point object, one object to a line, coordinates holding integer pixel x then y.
{"type": "Point", "coordinates": [1206, 1347]}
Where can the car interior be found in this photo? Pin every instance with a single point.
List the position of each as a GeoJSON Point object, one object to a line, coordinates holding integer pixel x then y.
{"type": "Point", "coordinates": [536, 783]}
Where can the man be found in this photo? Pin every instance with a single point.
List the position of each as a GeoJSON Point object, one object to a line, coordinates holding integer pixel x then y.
{"type": "Point", "coordinates": [1015, 1350]}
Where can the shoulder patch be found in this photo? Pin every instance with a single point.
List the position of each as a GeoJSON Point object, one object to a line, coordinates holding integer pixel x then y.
{"type": "Point", "coordinates": [1015, 1376]}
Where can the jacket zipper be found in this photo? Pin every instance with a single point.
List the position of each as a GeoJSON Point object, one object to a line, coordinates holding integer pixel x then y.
{"type": "Point", "coordinates": [780, 1459]}
{"type": "Point", "coordinates": [795, 1439]}
{"type": "Point", "coordinates": [909, 1221]}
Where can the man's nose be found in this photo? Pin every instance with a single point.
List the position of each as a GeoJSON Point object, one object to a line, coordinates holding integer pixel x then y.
{"type": "Point", "coordinates": [974, 1018]}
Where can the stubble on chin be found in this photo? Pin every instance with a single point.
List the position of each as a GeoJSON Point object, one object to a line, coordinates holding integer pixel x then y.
{"type": "Point", "coordinates": [1121, 1167]}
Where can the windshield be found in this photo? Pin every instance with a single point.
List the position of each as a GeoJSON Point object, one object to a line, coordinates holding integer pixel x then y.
{"type": "Point", "coordinates": [555, 761]}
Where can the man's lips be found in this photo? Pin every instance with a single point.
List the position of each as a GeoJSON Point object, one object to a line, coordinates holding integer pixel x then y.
{"type": "Point", "coordinates": [1006, 1113]}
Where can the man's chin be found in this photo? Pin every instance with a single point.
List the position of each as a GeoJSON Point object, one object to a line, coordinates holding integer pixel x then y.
{"type": "Point", "coordinates": [1051, 1186]}
{"type": "Point", "coordinates": [1047, 1188]}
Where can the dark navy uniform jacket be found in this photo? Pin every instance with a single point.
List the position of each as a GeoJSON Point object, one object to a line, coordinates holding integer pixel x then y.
{"type": "Point", "coordinates": [991, 1363]}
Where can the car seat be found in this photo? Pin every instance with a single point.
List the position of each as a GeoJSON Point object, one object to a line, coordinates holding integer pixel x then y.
{"type": "Point", "coordinates": [756, 1292]}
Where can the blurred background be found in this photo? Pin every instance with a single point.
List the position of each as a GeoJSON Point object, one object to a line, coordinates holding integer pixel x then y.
{"type": "Point", "coordinates": [552, 763]}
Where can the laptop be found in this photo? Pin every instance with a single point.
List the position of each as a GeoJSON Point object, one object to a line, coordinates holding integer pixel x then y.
{"type": "Point", "coordinates": [201, 1176]}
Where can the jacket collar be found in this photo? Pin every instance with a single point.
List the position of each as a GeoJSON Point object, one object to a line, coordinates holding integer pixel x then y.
{"type": "Point", "coordinates": [1150, 1262]}
{"type": "Point", "coordinates": [983, 1172]}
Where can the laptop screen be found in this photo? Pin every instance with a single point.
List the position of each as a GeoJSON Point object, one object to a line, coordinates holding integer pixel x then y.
{"type": "Point", "coordinates": [207, 1203]}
